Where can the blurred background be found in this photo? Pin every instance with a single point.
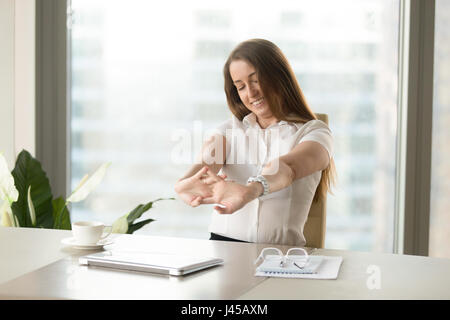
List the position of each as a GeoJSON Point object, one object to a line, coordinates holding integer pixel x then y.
{"type": "Point", "coordinates": [141, 70]}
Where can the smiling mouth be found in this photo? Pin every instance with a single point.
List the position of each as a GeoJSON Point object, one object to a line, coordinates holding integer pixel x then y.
{"type": "Point", "coordinates": [258, 102]}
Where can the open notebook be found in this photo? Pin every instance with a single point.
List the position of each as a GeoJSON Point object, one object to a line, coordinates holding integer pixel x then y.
{"type": "Point", "coordinates": [163, 263]}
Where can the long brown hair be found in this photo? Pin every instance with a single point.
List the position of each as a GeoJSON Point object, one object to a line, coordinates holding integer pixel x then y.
{"type": "Point", "coordinates": [281, 90]}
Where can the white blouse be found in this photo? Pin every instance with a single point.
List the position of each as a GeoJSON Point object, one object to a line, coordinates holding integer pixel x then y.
{"type": "Point", "coordinates": [278, 217]}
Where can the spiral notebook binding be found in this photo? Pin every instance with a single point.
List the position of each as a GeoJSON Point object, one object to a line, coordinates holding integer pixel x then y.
{"type": "Point", "coordinates": [287, 272]}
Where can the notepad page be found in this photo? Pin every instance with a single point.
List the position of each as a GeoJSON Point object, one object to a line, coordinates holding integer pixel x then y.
{"type": "Point", "coordinates": [328, 269]}
{"type": "Point", "coordinates": [289, 267]}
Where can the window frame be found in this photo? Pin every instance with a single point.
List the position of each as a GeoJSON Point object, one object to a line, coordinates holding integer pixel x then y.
{"type": "Point", "coordinates": [414, 112]}
{"type": "Point", "coordinates": [414, 127]}
{"type": "Point", "coordinates": [52, 80]}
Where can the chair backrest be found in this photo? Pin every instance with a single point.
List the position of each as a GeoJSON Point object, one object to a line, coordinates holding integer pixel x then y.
{"type": "Point", "coordinates": [315, 226]}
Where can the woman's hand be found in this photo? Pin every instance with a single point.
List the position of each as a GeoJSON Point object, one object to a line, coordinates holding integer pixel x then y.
{"type": "Point", "coordinates": [194, 189]}
{"type": "Point", "coordinates": [230, 195]}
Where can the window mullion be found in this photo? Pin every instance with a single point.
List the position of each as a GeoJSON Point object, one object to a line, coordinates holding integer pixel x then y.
{"type": "Point", "coordinates": [51, 93]}
{"type": "Point", "coordinates": [416, 51]}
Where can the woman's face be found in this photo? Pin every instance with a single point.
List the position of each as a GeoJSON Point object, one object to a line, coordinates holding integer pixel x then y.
{"type": "Point", "coordinates": [245, 80]}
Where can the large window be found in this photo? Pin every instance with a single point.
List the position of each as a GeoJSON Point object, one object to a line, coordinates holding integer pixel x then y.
{"type": "Point", "coordinates": [440, 174]}
{"type": "Point", "coordinates": [142, 71]}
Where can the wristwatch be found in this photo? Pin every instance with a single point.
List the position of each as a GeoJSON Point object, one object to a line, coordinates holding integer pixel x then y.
{"type": "Point", "coordinates": [261, 180]}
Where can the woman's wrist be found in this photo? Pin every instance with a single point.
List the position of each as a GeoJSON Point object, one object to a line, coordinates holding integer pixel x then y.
{"type": "Point", "coordinates": [254, 190]}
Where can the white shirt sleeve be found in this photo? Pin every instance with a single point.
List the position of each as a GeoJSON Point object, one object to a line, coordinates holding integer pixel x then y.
{"type": "Point", "coordinates": [318, 131]}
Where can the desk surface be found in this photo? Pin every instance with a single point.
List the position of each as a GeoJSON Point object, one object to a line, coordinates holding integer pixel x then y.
{"type": "Point", "coordinates": [36, 266]}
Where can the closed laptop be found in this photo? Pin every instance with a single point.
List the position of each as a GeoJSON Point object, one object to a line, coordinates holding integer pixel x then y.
{"type": "Point", "coordinates": [162, 263]}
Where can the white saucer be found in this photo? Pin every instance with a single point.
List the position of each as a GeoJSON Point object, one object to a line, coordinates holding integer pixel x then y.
{"type": "Point", "coordinates": [72, 242]}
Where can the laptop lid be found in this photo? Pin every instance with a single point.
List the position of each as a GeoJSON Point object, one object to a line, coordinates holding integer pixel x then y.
{"type": "Point", "coordinates": [162, 263]}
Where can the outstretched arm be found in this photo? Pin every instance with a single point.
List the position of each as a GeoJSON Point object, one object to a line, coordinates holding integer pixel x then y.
{"type": "Point", "coordinates": [305, 159]}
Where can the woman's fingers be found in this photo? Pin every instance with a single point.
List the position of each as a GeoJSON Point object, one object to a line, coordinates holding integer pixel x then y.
{"type": "Point", "coordinates": [222, 176]}
{"type": "Point", "coordinates": [201, 172]}
{"type": "Point", "coordinates": [209, 200]}
{"type": "Point", "coordinates": [212, 176]}
{"type": "Point", "coordinates": [210, 180]}
{"type": "Point", "coordinates": [204, 192]}
{"type": "Point", "coordinates": [196, 201]}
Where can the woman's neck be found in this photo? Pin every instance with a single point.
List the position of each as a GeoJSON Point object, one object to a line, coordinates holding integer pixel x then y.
{"type": "Point", "coordinates": [266, 122]}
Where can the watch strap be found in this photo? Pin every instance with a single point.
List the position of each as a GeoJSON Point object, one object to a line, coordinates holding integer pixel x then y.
{"type": "Point", "coordinates": [261, 180]}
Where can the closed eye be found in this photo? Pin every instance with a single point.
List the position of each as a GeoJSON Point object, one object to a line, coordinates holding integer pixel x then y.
{"type": "Point", "coordinates": [243, 87]}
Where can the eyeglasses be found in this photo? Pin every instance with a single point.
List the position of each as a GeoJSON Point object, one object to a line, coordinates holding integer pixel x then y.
{"type": "Point", "coordinates": [296, 256]}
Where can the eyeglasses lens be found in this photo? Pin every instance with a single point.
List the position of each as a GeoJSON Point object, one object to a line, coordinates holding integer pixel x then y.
{"type": "Point", "coordinates": [296, 255]}
{"type": "Point", "coordinates": [271, 254]}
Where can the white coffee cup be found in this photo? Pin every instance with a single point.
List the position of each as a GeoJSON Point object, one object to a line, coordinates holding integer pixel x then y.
{"type": "Point", "coordinates": [89, 232]}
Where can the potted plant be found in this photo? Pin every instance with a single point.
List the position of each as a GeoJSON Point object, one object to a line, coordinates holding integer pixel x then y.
{"type": "Point", "coordinates": [28, 200]}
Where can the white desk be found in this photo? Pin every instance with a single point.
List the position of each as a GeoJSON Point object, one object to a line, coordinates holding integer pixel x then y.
{"type": "Point", "coordinates": [400, 277]}
{"type": "Point", "coordinates": [34, 265]}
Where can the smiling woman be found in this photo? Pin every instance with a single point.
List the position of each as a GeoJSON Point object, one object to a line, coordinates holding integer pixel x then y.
{"type": "Point", "coordinates": [275, 77]}
{"type": "Point", "coordinates": [283, 99]}
{"type": "Point", "coordinates": [266, 201]}
{"type": "Point", "coordinates": [250, 92]}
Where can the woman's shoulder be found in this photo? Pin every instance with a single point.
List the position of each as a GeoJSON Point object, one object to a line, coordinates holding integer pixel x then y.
{"type": "Point", "coordinates": [311, 125]}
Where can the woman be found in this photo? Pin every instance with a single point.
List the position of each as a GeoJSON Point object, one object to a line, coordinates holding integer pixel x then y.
{"type": "Point", "coordinates": [287, 153]}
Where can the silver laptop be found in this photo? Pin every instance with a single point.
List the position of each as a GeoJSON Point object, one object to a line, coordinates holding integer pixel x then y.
{"type": "Point", "coordinates": [162, 263]}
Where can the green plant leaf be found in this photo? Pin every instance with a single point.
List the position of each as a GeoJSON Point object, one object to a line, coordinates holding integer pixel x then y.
{"type": "Point", "coordinates": [28, 172]}
{"type": "Point", "coordinates": [132, 228]}
{"type": "Point", "coordinates": [137, 212]}
{"type": "Point", "coordinates": [61, 214]}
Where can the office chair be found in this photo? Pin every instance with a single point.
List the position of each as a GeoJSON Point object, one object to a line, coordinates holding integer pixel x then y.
{"type": "Point", "coordinates": [315, 226]}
